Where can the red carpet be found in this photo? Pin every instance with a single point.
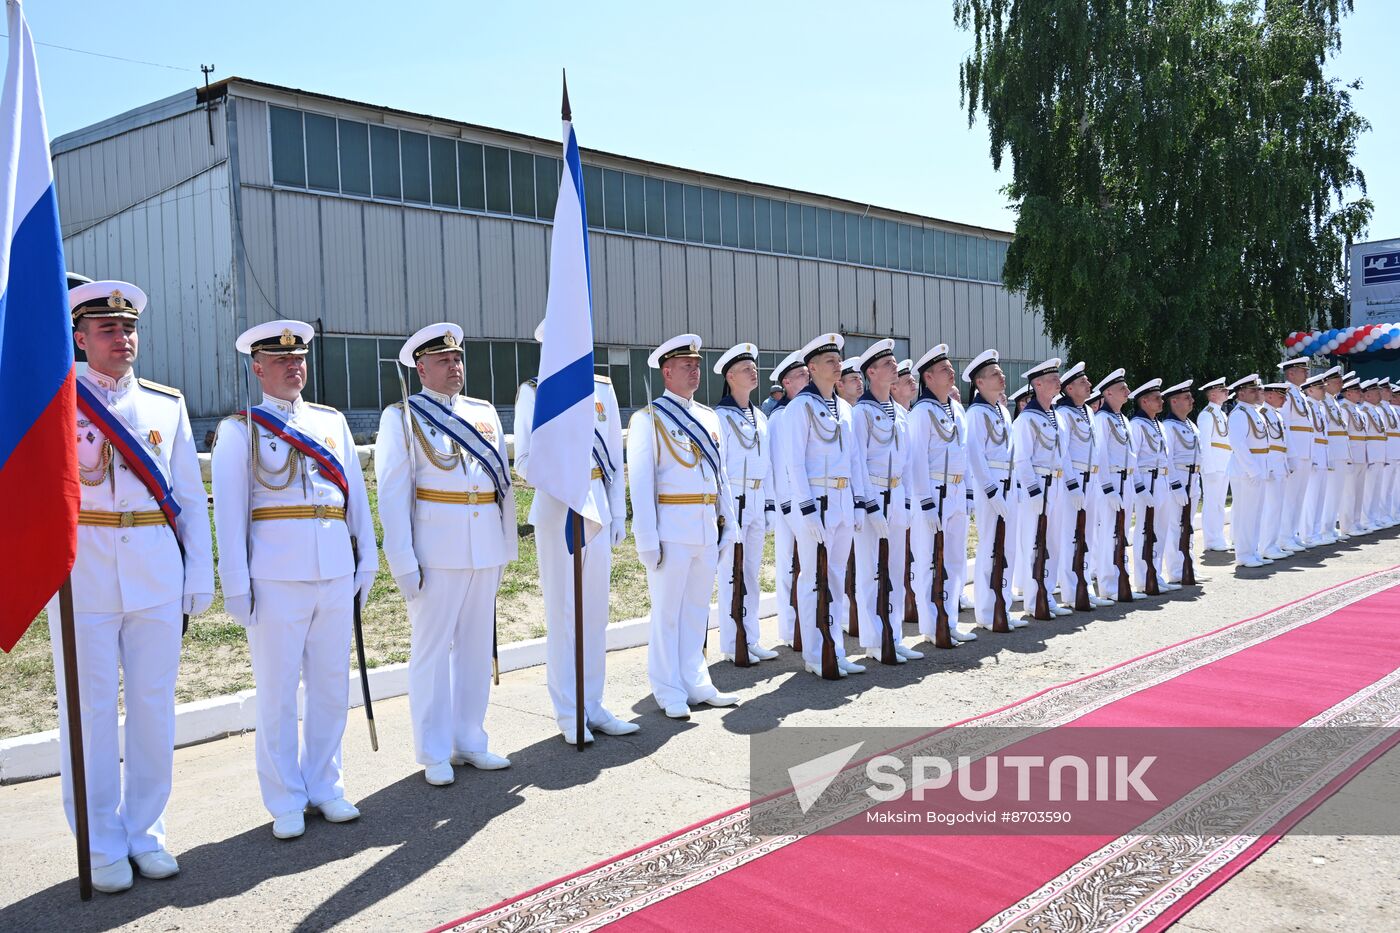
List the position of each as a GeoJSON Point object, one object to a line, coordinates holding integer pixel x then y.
{"type": "Point", "coordinates": [1332, 659]}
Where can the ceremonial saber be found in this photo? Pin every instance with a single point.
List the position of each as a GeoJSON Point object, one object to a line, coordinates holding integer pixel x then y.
{"type": "Point", "coordinates": [360, 654]}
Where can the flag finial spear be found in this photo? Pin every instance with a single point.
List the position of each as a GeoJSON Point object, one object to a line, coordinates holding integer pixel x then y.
{"type": "Point", "coordinates": [568, 116]}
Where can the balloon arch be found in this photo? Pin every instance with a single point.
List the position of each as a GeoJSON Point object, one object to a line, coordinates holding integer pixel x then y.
{"type": "Point", "coordinates": [1364, 338]}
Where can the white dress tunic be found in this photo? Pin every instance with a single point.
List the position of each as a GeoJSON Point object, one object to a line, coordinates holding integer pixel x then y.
{"type": "Point", "coordinates": [747, 469]}
{"type": "Point", "coordinates": [883, 432]}
{"type": "Point", "coordinates": [938, 482]}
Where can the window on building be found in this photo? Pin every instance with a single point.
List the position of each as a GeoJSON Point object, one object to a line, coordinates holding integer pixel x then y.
{"type": "Point", "coordinates": [635, 189]}
{"type": "Point", "coordinates": [824, 233]}
{"type": "Point", "coordinates": [522, 183]}
{"type": "Point", "coordinates": [878, 233]}
{"type": "Point", "coordinates": [675, 210]}
{"type": "Point", "coordinates": [940, 253]}
{"type": "Point", "coordinates": [354, 158]}
{"type": "Point", "coordinates": [779, 211]}
{"type": "Point", "coordinates": [744, 212]}
{"type": "Point", "coordinates": [762, 224]}
{"type": "Point", "coordinates": [593, 195]}
{"type": "Point", "coordinates": [527, 355]}
{"type": "Point", "coordinates": [546, 186]}
{"type": "Point", "coordinates": [693, 230]}
{"type": "Point", "coordinates": [891, 245]}
{"type": "Point", "coordinates": [497, 179]}
{"type": "Point", "coordinates": [477, 367]}
{"type": "Point", "coordinates": [655, 200]}
{"type": "Point", "coordinates": [728, 219]}
{"type": "Point", "coordinates": [796, 241]}
{"type": "Point", "coordinates": [322, 159]}
{"type": "Point", "coordinates": [906, 255]}
{"type": "Point", "coordinates": [288, 152]}
{"type": "Point", "coordinates": [471, 177]}
{"type": "Point", "coordinates": [443, 157]}
{"type": "Point", "coordinates": [838, 235]}
{"type": "Point", "coordinates": [331, 381]}
{"type": "Point", "coordinates": [960, 255]}
{"type": "Point", "coordinates": [503, 370]}
{"type": "Point", "coordinates": [362, 360]}
{"type": "Point", "coordinates": [709, 200]}
{"type": "Point", "coordinates": [413, 149]}
{"type": "Point", "coordinates": [614, 200]}
{"type": "Point", "coordinates": [867, 240]}
{"type": "Point", "coordinates": [384, 160]}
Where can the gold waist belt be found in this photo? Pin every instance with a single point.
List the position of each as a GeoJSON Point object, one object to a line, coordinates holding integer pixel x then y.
{"type": "Point", "coordinates": [596, 474]}
{"type": "Point", "coordinates": [1220, 445]}
{"type": "Point", "coordinates": [687, 498]}
{"type": "Point", "coordinates": [1258, 450]}
{"type": "Point", "coordinates": [1300, 427]}
{"type": "Point", "coordinates": [454, 498]}
{"type": "Point", "coordinates": [121, 519]}
{"type": "Point", "coordinates": [319, 512]}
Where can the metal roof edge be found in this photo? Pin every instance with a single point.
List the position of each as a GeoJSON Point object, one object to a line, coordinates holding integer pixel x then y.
{"type": "Point", "coordinates": [174, 105]}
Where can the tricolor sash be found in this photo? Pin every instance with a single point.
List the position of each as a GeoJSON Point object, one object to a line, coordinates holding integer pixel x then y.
{"type": "Point", "coordinates": [467, 437]}
{"type": "Point", "coordinates": [694, 429]}
{"type": "Point", "coordinates": [149, 470]}
{"type": "Point", "coordinates": [602, 459]}
{"type": "Point", "coordinates": [330, 466]}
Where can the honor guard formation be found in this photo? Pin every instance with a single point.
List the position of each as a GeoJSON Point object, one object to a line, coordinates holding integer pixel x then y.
{"type": "Point", "coordinates": [870, 472]}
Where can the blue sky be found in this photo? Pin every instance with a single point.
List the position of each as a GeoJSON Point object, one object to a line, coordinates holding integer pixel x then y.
{"type": "Point", "coordinates": [854, 100]}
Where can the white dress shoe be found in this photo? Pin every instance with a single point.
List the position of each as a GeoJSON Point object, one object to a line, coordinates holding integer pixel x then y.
{"type": "Point", "coordinates": [1017, 622]}
{"type": "Point", "coordinates": [816, 669]}
{"type": "Point", "coordinates": [1169, 585]}
{"type": "Point", "coordinates": [569, 739]}
{"type": "Point", "coordinates": [1060, 610]}
{"type": "Point", "coordinates": [873, 656]}
{"type": "Point", "coordinates": [1248, 563]}
{"type": "Point", "coordinates": [109, 879]}
{"type": "Point", "coordinates": [762, 653]}
{"type": "Point", "coordinates": [965, 633]}
{"type": "Point", "coordinates": [289, 825]}
{"type": "Point", "coordinates": [849, 666]}
{"type": "Point", "coordinates": [439, 774]}
{"type": "Point", "coordinates": [907, 653]}
{"type": "Point", "coordinates": [613, 726]}
{"type": "Point", "coordinates": [482, 761]}
{"type": "Point", "coordinates": [722, 699]}
{"type": "Point", "coordinates": [338, 810]}
{"type": "Point", "coordinates": [678, 711]}
{"type": "Point", "coordinates": [1099, 601]}
{"type": "Point", "coordinates": [156, 865]}
{"type": "Point", "coordinates": [753, 658]}
{"type": "Point", "coordinates": [965, 603]}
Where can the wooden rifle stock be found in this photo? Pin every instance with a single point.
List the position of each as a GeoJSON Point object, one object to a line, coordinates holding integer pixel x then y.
{"type": "Point", "coordinates": [1000, 622]}
{"type": "Point", "coordinates": [830, 669]}
{"type": "Point", "coordinates": [1042, 556]}
{"type": "Point", "coordinates": [882, 595]}
{"type": "Point", "coordinates": [942, 635]}
{"type": "Point", "coordinates": [736, 606]}
{"type": "Point", "coordinates": [852, 617]}
{"type": "Point", "coordinates": [1120, 544]}
{"type": "Point", "coordinates": [911, 607]}
{"type": "Point", "coordinates": [1149, 543]}
{"type": "Point", "coordinates": [1188, 569]}
{"type": "Point", "coordinates": [1081, 555]}
{"type": "Point", "coordinates": [792, 596]}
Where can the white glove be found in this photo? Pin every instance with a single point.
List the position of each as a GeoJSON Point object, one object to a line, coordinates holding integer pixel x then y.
{"type": "Point", "coordinates": [997, 502]}
{"type": "Point", "coordinates": [1179, 498]}
{"type": "Point", "coordinates": [196, 603]}
{"type": "Point", "coordinates": [932, 520]}
{"type": "Point", "coordinates": [877, 523]}
{"type": "Point", "coordinates": [650, 559]}
{"type": "Point", "coordinates": [619, 533]}
{"type": "Point", "coordinates": [410, 584]}
{"type": "Point", "coordinates": [1076, 499]}
{"type": "Point", "coordinates": [1113, 501]}
{"type": "Point", "coordinates": [241, 608]}
{"type": "Point", "coordinates": [364, 579]}
{"type": "Point", "coordinates": [813, 524]}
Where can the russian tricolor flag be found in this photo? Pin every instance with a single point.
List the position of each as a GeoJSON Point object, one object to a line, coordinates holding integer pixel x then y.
{"type": "Point", "coordinates": [38, 459]}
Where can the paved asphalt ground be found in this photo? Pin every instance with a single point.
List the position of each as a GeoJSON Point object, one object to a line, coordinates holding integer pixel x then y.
{"type": "Point", "coordinates": [421, 855]}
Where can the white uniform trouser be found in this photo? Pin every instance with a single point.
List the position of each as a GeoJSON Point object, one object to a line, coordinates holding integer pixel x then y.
{"type": "Point", "coordinates": [126, 798]}
{"type": "Point", "coordinates": [1352, 496]}
{"type": "Point", "coordinates": [1247, 495]}
{"type": "Point", "coordinates": [1270, 516]}
{"type": "Point", "coordinates": [557, 584]}
{"type": "Point", "coordinates": [1159, 498]}
{"type": "Point", "coordinates": [1172, 562]}
{"type": "Point", "coordinates": [1375, 477]}
{"type": "Point", "coordinates": [753, 557]}
{"type": "Point", "coordinates": [680, 614]}
{"type": "Point", "coordinates": [1295, 495]}
{"type": "Point", "coordinates": [1310, 522]}
{"type": "Point", "coordinates": [983, 596]}
{"type": "Point", "coordinates": [1388, 500]}
{"type": "Point", "coordinates": [838, 547]}
{"type": "Point", "coordinates": [954, 561]}
{"type": "Point", "coordinates": [449, 661]}
{"type": "Point", "coordinates": [1028, 509]}
{"type": "Point", "coordinates": [784, 547]}
{"type": "Point", "coordinates": [302, 629]}
{"type": "Point", "coordinates": [1213, 488]}
{"type": "Point", "coordinates": [1333, 518]}
{"type": "Point", "coordinates": [867, 551]}
{"type": "Point", "coordinates": [1105, 541]}
{"type": "Point", "coordinates": [1062, 542]}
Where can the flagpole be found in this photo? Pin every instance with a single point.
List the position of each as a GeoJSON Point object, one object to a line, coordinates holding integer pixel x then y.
{"type": "Point", "coordinates": [76, 771]}
{"type": "Point", "coordinates": [576, 535]}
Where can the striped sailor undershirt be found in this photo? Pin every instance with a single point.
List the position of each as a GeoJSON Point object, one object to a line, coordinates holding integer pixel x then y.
{"type": "Point", "coordinates": [748, 413]}
{"type": "Point", "coordinates": [888, 406]}
{"type": "Point", "coordinates": [831, 406]}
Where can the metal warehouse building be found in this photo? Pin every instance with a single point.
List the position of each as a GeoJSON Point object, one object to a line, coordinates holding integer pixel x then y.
{"type": "Point", "coordinates": [244, 201]}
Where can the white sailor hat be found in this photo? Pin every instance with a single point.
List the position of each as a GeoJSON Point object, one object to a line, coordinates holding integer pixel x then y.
{"type": "Point", "coordinates": [435, 338]}
{"type": "Point", "coordinates": [906, 368]}
{"type": "Point", "coordinates": [849, 365]}
{"type": "Point", "coordinates": [789, 363]}
{"type": "Point", "coordinates": [1018, 393]}
{"type": "Point", "coordinates": [1335, 371]}
{"type": "Point", "coordinates": [1279, 387]}
{"type": "Point", "coordinates": [1351, 382]}
{"type": "Point", "coordinates": [1314, 380]}
{"type": "Point", "coordinates": [1073, 373]}
{"type": "Point", "coordinates": [1148, 387]}
{"type": "Point", "coordinates": [1369, 384]}
{"type": "Point", "coordinates": [1177, 389]}
{"type": "Point", "coordinates": [1295, 361]}
{"type": "Point", "coordinates": [1112, 379]}
{"type": "Point", "coordinates": [1248, 382]}
{"type": "Point", "coordinates": [1045, 368]}
{"type": "Point", "coordinates": [276, 337]}
{"type": "Point", "coordinates": [1094, 396]}
{"type": "Point", "coordinates": [874, 353]}
{"type": "Point", "coordinates": [1213, 384]}
{"type": "Point", "coordinates": [825, 343]}
{"type": "Point", "coordinates": [108, 298]}
{"type": "Point", "coordinates": [739, 353]}
{"type": "Point", "coordinates": [934, 355]}
{"type": "Point", "coordinates": [980, 361]}
{"type": "Point", "coordinates": [682, 345]}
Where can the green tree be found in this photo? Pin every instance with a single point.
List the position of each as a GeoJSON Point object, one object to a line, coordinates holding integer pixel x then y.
{"type": "Point", "coordinates": [1182, 172]}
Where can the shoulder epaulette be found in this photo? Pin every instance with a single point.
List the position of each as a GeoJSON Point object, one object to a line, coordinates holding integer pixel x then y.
{"type": "Point", "coordinates": [532, 382]}
{"type": "Point", "coordinates": [479, 401]}
{"type": "Point", "coordinates": [705, 407]}
{"type": "Point", "coordinates": [320, 406]}
{"type": "Point", "coordinates": [602, 379]}
{"type": "Point", "coordinates": [162, 389]}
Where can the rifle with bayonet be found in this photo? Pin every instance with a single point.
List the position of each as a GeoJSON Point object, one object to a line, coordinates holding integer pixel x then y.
{"type": "Point", "coordinates": [942, 633]}
{"type": "Point", "coordinates": [1188, 568]}
{"type": "Point", "coordinates": [830, 668]}
{"type": "Point", "coordinates": [1081, 538]}
{"type": "Point", "coordinates": [1120, 530]}
{"type": "Point", "coordinates": [882, 569]}
{"type": "Point", "coordinates": [738, 588]}
{"type": "Point", "coordinates": [1000, 622]}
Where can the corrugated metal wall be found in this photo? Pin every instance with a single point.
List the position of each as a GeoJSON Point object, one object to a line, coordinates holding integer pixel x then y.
{"type": "Point", "coordinates": [372, 268]}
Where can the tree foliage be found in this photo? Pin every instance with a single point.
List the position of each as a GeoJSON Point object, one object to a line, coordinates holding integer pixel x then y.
{"type": "Point", "coordinates": [1182, 172]}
